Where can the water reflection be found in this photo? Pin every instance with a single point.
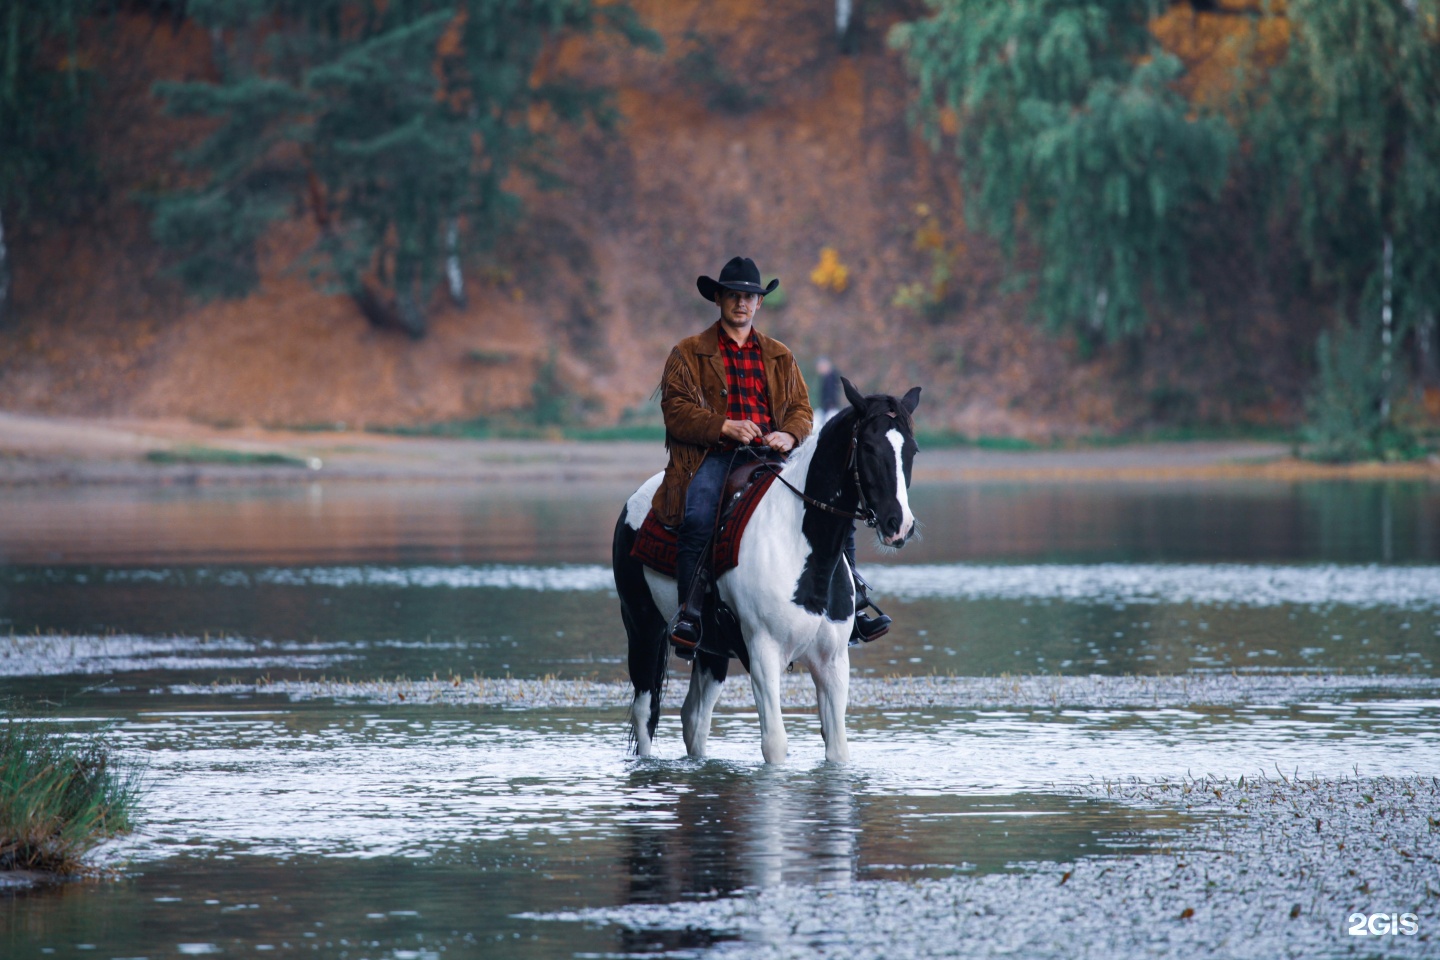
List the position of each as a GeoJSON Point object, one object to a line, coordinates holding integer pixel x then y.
{"type": "Point", "coordinates": [414, 587]}
{"type": "Point", "coordinates": [345, 909]}
{"type": "Point", "coordinates": [1340, 522]}
{"type": "Point", "coordinates": [735, 828]}
{"type": "Point", "coordinates": [1336, 522]}
{"type": "Point", "coordinates": [187, 629]}
{"type": "Point", "coordinates": [376, 522]}
{"type": "Point", "coordinates": [328, 826]}
{"type": "Point", "coordinates": [946, 787]}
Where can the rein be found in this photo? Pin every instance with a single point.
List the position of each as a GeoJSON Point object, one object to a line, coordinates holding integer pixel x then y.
{"type": "Point", "coordinates": [867, 514]}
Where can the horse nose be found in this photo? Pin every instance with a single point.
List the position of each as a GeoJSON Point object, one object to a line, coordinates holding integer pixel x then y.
{"type": "Point", "coordinates": [897, 532]}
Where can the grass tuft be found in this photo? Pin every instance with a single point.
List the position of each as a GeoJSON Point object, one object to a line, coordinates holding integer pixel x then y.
{"type": "Point", "coordinates": [512, 428]}
{"type": "Point", "coordinates": [194, 455]}
{"type": "Point", "coordinates": [60, 795]}
{"type": "Point", "coordinates": [939, 439]}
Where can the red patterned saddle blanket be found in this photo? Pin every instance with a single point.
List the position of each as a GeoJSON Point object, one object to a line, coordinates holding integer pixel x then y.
{"type": "Point", "coordinates": [655, 544]}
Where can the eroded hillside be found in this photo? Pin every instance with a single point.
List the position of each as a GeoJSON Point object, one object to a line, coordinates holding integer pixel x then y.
{"type": "Point", "coordinates": [752, 133]}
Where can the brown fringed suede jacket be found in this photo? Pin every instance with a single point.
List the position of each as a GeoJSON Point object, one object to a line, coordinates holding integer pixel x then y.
{"type": "Point", "coordinates": [692, 399]}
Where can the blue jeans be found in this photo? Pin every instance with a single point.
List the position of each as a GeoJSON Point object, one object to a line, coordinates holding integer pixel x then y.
{"type": "Point", "coordinates": [702, 500]}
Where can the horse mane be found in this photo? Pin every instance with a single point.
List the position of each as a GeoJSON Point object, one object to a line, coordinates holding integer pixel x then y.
{"type": "Point", "coordinates": [897, 409]}
{"type": "Point", "coordinates": [902, 415]}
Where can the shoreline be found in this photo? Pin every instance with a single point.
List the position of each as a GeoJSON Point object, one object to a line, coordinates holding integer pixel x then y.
{"type": "Point", "coordinates": [38, 450]}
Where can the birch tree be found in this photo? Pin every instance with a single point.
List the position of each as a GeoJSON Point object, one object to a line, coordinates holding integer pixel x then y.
{"type": "Point", "coordinates": [1349, 129]}
{"type": "Point", "coordinates": [1073, 145]}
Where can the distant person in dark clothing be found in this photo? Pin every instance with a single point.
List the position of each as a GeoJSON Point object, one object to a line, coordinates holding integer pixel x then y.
{"type": "Point", "coordinates": [829, 391]}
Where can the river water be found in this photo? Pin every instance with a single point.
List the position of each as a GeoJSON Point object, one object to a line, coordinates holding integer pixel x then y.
{"type": "Point", "coordinates": [362, 826]}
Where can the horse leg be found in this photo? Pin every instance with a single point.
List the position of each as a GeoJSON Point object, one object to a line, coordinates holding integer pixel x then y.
{"type": "Point", "coordinates": [645, 630]}
{"type": "Point", "coordinates": [706, 676]}
{"type": "Point", "coordinates": [830, 669]}
{"type": "Point", "coordinates": [647, 672]}
{"type": "Point", "coordinates": [765, 672]}
{"type": "Point", "coordinates": [640, 722]}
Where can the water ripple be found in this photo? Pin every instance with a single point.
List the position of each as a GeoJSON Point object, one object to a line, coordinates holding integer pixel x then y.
{"type": "Point", "coordinates": [1254, 585]}
{"type": "Point", "coordinates": [59, 655]}
{"type": "Point", "coordinates": [334, 781]}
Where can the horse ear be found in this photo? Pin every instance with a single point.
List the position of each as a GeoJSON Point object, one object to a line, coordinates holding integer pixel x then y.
{"type": "Point", "coordinates": [911, 400]}
{"type": "Point", "coordinates": [857, 400]}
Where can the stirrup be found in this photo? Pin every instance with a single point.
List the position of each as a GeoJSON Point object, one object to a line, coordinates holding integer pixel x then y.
{"type": "Point", "coordinates": [867, 628]}
{"type": "Point", "coordinates": [685, 627]}
{"type": "Point", "coordinates": [684, 635]}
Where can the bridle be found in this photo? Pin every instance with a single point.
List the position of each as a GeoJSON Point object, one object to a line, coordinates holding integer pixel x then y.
{"type": "Point", "coordinates": [867, 513]}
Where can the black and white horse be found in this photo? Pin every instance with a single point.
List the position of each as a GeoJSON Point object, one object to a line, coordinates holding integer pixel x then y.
{"type": "Point", "coordinates": [791, 589]}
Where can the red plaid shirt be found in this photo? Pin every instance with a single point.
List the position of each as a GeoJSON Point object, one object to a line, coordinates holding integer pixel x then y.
{"type": "Point", "coordinates": [746, 397]}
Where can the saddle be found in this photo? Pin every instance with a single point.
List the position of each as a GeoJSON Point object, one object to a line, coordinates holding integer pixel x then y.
{"type": "Point", "coordinates": [655, 544]}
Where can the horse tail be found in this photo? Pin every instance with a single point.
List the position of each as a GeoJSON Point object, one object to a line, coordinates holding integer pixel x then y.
{"type": "Point", "coordinates": [644, 627]}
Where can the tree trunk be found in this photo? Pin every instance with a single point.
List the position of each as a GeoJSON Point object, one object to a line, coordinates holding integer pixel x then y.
{"type": "Point", "coordinates": [1429, 364]}
{"type": "Point", "coordinates": [1387, 319]}
{"type": "Point", "coordinates": [844, 24]}
{"type": "Point", "coordinates": [4, 271]}
{"type": "Point", "coordinates": [218, 53]}
{"type": "Point", "coordinates": [402, 313]}
{"type": "Point", "coordinates": [453, 277]}
{"type": "Point", "coordinates": [412, 315]}
{"type": "Point", "coordinates": [1097, 311]}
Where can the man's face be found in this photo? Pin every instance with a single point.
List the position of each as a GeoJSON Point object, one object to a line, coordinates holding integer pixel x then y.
{"type": "Point", "coordinates": [736, 308]}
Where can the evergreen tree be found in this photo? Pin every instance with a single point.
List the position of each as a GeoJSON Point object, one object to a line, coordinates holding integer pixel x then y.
{"type": "Point", "coordinates": [1348, 131]}
{"type": "Point", "coordinates": [394, 123]}
{"type": "Point", "coordinates": [44, 91]}
{"type": "Point", "coordinates": [1073, 141]}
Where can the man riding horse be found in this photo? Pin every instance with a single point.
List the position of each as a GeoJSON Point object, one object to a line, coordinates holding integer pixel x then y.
{"type": "Point", "coordinates": [728, 389]}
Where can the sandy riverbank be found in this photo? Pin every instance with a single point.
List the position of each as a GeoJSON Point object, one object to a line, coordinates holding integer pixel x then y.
{"type": "Point", "coordinates": [44, 450]}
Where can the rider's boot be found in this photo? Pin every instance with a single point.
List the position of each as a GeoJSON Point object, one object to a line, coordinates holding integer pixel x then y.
{"type": "Point", "coordinates": [685, 627]}
{"type": "Point", "coordinates": [866, 627]}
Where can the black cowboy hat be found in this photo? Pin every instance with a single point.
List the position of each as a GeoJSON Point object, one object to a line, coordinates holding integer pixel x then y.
{"type": "Point", "coordinates": [739, 274]}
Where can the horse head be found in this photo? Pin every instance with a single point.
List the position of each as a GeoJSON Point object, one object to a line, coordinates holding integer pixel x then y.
{"type": "Point", "coordinates": [885, 450]}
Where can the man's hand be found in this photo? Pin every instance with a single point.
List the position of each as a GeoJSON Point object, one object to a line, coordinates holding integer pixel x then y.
{"type": "Point", "coordinates": [741, 431]}
{"type": "Point", "coordinates": [780, 440]}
